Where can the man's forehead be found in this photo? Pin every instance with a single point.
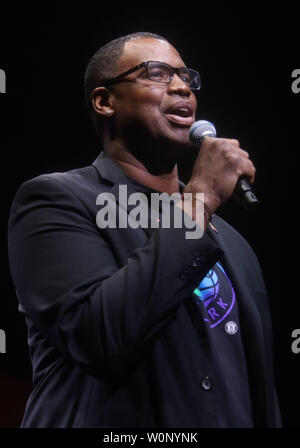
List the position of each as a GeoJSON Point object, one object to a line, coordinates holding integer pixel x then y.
{"type": "Point", "coordinates": [148, 49]}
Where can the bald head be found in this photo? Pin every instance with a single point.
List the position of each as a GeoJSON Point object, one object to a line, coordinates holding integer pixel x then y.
{"type": "Point", "coordinates": [104, 63]}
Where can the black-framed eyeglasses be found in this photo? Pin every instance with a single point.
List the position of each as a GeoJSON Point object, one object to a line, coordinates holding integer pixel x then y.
{"type": "Point", "coordinates": [161, 72]}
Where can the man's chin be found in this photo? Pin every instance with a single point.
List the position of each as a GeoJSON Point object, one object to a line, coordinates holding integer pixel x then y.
{"type": "Point", "coordinates": [177, 129]}
{"type": "Point", "coordinates": [179, 134]}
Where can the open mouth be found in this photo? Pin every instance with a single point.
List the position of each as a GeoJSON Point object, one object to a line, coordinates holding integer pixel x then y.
{"type": "Point", "coordinates": [180, 113]}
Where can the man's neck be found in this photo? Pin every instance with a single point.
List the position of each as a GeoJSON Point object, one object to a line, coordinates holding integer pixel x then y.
{"type": "Point", "coordinates": [167, 182]}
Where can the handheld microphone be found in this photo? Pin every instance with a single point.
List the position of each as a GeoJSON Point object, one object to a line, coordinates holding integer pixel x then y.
{"type": "Point", "coordinates": [243, 191]}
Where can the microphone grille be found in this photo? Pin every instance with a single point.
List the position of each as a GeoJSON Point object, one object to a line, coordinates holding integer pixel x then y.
{"type": "Point", "coordinates": [201, 129]}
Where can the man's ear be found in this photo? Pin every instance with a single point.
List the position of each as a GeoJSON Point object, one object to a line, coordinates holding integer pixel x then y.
{"type": "Point", "coordinates": [102, 102]}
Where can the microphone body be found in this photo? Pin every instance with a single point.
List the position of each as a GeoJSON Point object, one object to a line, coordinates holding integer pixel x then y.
{"type": "Point", "coordinates": [243, 191]}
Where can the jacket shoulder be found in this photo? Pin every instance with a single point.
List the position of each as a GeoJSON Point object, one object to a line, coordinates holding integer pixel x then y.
{"type": "Point", "coordinates": [71, 182]}
{"type": "Point", "coordinates": [68, 178]}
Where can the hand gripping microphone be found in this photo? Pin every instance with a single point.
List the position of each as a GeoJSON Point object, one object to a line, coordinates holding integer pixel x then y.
{"type": "Point", "coordinates": [242, 192]}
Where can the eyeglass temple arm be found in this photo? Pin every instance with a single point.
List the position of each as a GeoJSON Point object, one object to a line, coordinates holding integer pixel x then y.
{"type": "Point", "coordinates": [117, 78]}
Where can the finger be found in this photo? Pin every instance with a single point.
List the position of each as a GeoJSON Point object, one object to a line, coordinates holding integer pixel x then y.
{"type": "Point", "coordinates": [233, 142]}
{"type": "Point", "coordinates": [243, 153]}
{"type": "Point", "coordinates": [248, 170]}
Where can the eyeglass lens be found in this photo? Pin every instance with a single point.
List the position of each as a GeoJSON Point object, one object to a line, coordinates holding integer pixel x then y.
{"type": "Point", "coordinates": [162, 73]}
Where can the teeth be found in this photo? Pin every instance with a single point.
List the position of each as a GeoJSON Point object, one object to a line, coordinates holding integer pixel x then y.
{"type": "Point", "coordinates": [181, 111]}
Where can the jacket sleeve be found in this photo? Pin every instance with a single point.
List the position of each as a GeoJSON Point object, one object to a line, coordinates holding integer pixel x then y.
{"type": "Point", "coordinates": [104, 318]}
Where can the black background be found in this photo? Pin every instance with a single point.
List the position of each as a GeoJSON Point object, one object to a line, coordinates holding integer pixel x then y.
{"type": "Point", "coordinates": [245, 57]}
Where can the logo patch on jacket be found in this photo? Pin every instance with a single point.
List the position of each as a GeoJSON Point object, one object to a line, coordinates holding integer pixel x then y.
{"type": "Point", "coordinates": [215, 295]}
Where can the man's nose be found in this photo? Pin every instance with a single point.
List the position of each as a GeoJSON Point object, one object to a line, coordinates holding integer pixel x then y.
{"type": "Point", "coordinates": [177, 86]}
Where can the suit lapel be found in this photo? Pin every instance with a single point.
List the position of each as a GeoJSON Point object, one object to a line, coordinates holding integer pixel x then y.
{"type": "Point", "coordinates": [115, 177]}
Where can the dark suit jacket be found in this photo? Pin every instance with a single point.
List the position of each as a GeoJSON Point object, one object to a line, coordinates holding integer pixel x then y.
{"type": "Point", "coordinates": [112, 332]}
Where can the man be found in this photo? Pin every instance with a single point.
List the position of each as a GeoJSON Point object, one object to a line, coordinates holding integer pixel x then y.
{"type": "Point", "coordinates": [137, 327]}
